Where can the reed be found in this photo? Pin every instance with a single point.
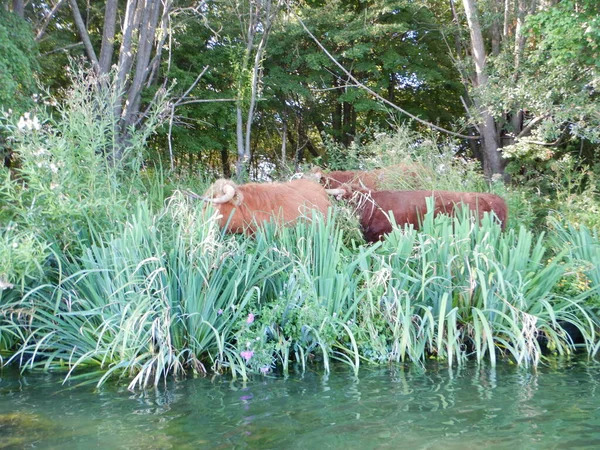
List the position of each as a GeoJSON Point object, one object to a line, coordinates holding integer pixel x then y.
{"type": "Point", "coordinates": [459, 288]}
{"type": "Point", "coordinates": [169, 294]}
{"type": "Point", "coordinates": [157, 299]}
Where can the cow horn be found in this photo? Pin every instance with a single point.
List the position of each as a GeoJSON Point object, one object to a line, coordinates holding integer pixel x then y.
{"type": "Point", "coordinates": [336, 191]}
{"type": "Point", "coordinates": [228, 193]}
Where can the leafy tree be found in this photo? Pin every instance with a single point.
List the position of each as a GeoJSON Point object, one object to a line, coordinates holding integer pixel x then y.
{"type": "Point", "coordinates": [18, 70]}
{"type": "Point", "coordinates": [18, 63]}
{"type": "Point", "coordinates": [391, 46]}
{"type": "Point", "coordinates": [534, 75]}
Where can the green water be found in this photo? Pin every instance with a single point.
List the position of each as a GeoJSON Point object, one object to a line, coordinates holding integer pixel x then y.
{"type": "Point", "coordinates": [396, 408]}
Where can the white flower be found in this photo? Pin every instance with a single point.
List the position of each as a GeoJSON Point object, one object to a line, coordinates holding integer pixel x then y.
{"type": "Point", "coordinates": [25, 122]}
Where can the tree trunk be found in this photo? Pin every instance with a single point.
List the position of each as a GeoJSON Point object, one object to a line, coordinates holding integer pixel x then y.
{"type": "Point", "coordinates": [492, 161]}
{"type": "Point", "coordinates": [336, 116]}
{"type": "Point", "coordinates": [85, 37]}
{"type": "Point", "coordinates": [263, 15]}
{"type": "Point", "coordinates": [284, 133]}
{"type": "Point", "coordinates": [392, 88]}
{"type": "Point", "coordinates": [147, 32]}
{"type": "Point", "coordinates": [18, 7]}
{"type": "Point", "coordinates": [165, 26]}
{"type": "Point", "coordinates": [347, 123]}
{"type": "Point", "coordinates": [225, 162]}
{"type": "Point", "coordinates": [496, 31]}
{"type": "Point", "coordinates": [519, 37]}
{"type": "Point", "coordinates": [507, 4]}
{"type": "Point", "coordinates": [241, 162]}
{"type": "Point", "coordinates": [125, 50]}
{"type": "Point", "coordinates": [108, 36]}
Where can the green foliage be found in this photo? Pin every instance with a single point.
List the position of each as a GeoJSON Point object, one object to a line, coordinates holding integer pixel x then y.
{"type": "Point", "coordinates": [554, 86]}
{"type": "Point", "coordinates": [168, 294]}
{"type": "Point", "coordinates": [570, 32]}
{"type": "Point", "coordinates": [583, 258]}
{"type": "Point", "coordinates": [557, 187]}
{"type": "Point", "coordinates": [430, 161]}
{"type": "Point", "coordinates": [24, 255]}
{"type": "Point", "coordinates": [18, 64]}
{"type": "Point", "coordinates": [388, 45]}
{"type": "Point", "coordinates": [68, 177]}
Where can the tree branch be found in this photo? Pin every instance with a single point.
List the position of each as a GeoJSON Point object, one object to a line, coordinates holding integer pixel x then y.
{"type": "Point", "coordinates": [207, 100]}
{"type": "Point", "coordinates": [525, 131]}
{"type": "Point", "coordinates": [47, 19]}
{"type": "Point", "coordinates": [85, 37]}
{"type": "Point", "coordinates": [67, 47]}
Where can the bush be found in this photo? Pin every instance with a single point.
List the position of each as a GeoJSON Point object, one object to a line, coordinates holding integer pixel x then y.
{"type": "Point", "coordinates": [66, 182]}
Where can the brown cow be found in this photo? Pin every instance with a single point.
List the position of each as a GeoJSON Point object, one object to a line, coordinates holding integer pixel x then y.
{"type": "Point", "coordinates": [409, 207]}
{"type": "Point", "coordinates": [367, 179]}
{"type": "Point", "coordinates": [242, 207]}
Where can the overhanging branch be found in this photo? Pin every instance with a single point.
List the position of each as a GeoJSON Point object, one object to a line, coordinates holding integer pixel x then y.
{"type": "Point", "coordinates": [369, 90]}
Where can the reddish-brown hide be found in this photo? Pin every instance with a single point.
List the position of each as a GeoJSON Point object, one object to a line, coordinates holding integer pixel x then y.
{"type": "Point", "coordinates": [367, 179]}
{"type": "Point", "coordinates": [254, 203]}
{"type": "Point", "coordinates": [409, 207]}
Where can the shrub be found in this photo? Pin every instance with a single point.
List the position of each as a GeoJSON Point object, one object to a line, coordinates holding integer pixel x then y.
{"type": "Point", "coordinates": [66, 182]}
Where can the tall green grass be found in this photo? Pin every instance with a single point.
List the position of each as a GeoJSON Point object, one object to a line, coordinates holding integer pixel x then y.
{"type": "Point", "coordinates": [458, 289]}
{"type": "Point", "coordinates": [158, 298]}
{"type": "Point", "coordinates": [169, 294]}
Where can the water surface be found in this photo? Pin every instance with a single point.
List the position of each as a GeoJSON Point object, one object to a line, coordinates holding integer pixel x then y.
{"type": "Point", "coordinates": [395, 407]}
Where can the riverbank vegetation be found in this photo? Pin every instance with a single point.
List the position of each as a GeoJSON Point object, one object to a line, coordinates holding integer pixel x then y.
{"type": "Point", "coordinates": [109, 271]}
{"type": "Point", "coordinates": [114, 272]}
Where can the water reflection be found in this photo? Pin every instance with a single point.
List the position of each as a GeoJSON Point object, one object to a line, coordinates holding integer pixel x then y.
{"type": "Point", "coordinates": [397, 407]}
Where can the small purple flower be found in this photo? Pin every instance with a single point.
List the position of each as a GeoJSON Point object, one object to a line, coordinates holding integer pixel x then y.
{"type": "Point", "coordinates": [219, 312]}
{"type": "Point", "coordinates": [250, 318]}
{"type": "Point", "coordinates": [247, 354]}
{"type": "Point", "coordinates": [264, 370]}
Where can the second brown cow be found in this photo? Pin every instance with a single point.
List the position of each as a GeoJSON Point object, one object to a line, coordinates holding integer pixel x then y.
{"type": "Point", "coordinates": [409, 207]}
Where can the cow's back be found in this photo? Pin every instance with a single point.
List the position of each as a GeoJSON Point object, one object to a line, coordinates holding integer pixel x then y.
{"type": "Point", "coordinates": [409, 207]}
{"type": "Point", "coordinates": [285, 202]}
